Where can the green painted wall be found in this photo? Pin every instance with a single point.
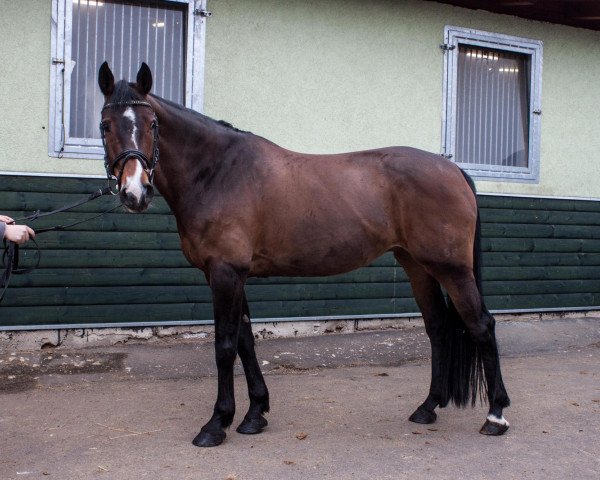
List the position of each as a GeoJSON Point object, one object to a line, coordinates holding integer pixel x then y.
{"type": "Point", "coordinates": [328, 76]}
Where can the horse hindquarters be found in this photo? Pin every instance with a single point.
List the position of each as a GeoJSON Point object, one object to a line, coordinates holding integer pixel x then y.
{"type": "Point", "coordinates": [470, 345]}
{"type": "Point", "coordinates": [464, 350]}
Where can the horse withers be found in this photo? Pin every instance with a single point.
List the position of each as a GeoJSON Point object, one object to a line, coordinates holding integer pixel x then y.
{"type": "Point", "coordinates": [246, 207]}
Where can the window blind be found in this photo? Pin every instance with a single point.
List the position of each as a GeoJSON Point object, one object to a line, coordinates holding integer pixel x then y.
{"type": "Point", "coordinates": [125, 34]}
{"type": "Point", "coordinates": [492, 117]}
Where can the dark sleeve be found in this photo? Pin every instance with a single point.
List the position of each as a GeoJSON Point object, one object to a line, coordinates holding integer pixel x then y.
{"type": "Point", "coordinates": [2, 228]}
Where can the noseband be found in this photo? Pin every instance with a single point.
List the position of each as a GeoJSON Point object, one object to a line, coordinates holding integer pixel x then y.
{"type": "Point", "coordinates": [147, 164]}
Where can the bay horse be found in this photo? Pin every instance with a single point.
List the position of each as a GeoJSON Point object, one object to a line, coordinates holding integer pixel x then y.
{"type": "Point", "coordinates": [246, 207]}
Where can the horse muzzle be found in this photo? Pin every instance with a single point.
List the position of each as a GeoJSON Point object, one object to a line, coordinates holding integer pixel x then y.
{"type": "Point", "coordinates": [136, 191]}
{"type": "Point", "coordinates": [137, 202]}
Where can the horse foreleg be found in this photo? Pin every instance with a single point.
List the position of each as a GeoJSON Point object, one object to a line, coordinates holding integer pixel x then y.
{"type": "Point", "coordinates": [227, 285]}
{"type": "Point", "coordinates": [253, 422]}
{"type": "Point", "coordinates": [430, 299]}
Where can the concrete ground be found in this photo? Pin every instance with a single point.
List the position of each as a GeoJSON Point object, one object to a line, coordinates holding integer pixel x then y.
{"type": "Point", "coordinates": [339, 409]}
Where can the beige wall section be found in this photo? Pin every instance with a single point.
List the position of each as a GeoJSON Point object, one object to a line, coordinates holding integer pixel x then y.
{"type": "Point", "coordinates": [570, 130]}
{"type": "Point", "coordinates": [328, 76]}
{"type": "Point", "coordinates": [25, 90]}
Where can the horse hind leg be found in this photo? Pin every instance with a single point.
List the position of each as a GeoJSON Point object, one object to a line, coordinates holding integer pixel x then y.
{"type": "Point", "coordinates": [430, 299]}
{"type": "Point", "coordinates": [495, 423]}
{"type": "Point", "coordinates": [466, 299]}
{"type": "Point", "coordinates": [254, 421]}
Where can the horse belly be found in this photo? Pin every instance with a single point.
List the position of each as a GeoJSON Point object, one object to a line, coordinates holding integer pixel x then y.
{"type": "Point", "coordinates": [320, 252]}
{"type": "Point", "coordinates": [311, 266]}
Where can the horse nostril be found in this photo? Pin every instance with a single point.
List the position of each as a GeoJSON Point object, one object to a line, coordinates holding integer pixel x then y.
{"type": "Point", "coordinates": [149, 192]}
{"type": "Point", "coordinates": [128, 199]}
{"type": "Point", "coordinates": [137, 200]}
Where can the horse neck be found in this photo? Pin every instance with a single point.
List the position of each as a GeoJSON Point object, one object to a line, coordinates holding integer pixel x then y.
{"type": "Point", "coordinates": [190, 146]}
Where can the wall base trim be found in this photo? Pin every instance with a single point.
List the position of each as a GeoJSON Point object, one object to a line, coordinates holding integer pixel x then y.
{"type": "Point", "coordinates": [70, 338]}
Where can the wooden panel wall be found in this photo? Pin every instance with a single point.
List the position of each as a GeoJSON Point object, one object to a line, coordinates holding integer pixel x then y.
{"type": "Point", "coordinates": [538, 253]}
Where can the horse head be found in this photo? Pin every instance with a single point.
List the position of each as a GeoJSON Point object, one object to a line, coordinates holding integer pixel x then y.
{"type": "Point", "coordinates": [129, 130]}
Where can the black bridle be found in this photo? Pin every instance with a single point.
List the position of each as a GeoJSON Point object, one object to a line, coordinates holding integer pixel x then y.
{"type": "Point", "coordinates": [147, 164]}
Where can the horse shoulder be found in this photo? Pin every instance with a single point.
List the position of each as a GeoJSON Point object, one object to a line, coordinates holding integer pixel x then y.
{"type": "Point", "coordinates": [220, 230]}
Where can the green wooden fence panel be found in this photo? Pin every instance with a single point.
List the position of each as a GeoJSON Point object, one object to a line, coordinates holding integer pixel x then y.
{"type": "Point", "coordinates": [538, 253]}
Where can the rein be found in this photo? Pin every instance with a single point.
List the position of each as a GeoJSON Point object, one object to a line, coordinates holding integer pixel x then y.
{"type": "Point", "coordinates": [147, 164]}
{"type": "Point", "coordinates": [10, 256]}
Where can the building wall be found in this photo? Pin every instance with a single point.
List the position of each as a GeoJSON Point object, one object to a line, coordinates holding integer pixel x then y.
{"type": "Point", "coordinates": [314, 76]}
{"type": "Point", "coordinates": [328, 76]}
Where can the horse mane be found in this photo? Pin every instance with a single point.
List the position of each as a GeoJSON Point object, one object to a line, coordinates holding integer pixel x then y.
{"type": "Point", "coordinates": [228, 125]}
{"type": "Point", "coordinates": [196, 114]}
{"type": "Point", "coordinates": [124, 92]}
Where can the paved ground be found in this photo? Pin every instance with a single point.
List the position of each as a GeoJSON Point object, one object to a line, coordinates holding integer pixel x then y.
{"type": "Point", "coordinates": [339, 410]}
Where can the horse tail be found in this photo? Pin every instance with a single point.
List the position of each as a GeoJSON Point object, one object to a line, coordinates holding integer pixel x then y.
{"type": "Point", "coordinates": [463, 379]}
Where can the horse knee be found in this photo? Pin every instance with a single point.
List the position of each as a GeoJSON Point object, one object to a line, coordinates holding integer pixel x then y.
{"type": "Point", "coordinates": [225, 352]}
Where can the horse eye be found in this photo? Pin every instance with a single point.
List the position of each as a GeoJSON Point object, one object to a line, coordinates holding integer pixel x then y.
{"type": "Point", "coordinates": [106, 126]}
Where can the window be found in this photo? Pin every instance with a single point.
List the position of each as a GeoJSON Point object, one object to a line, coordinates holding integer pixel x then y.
{"type": "Point", "coordinates": [492, 104]}
{"type": "Point", "coordinates": [166, 34]}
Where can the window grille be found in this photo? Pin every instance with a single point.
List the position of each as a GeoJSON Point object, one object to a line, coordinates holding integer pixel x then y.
{"type": "Point", "coordinates": [125, 35]}
{"type": "Point", "coordinates": [492, 101]}
{"type": "Point", "coordinates": [166, 34]}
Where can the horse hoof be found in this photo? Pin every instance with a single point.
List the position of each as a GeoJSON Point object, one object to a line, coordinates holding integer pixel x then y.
{"type": "Point", "coordinates": [493, 428]}
{"type": "Point", "coordinates": [209, 439]}
{"type": "Point", "coordinates": [252, 426]}
{"type": "Point", "coordinates": [423, 416]}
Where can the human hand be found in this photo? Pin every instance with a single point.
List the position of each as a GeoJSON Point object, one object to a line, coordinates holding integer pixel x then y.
{"type": "Point", "coordinates": [18, 233]}
{"type": "Point", "coordinates": [5, 219]}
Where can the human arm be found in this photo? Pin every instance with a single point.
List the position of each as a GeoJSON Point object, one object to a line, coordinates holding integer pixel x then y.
{"type": "Point", "coordinates": [14, 233]}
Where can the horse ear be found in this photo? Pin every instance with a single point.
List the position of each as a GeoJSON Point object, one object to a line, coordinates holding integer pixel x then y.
{"type": "Point", "coordinates": [144, 79]}
{"type": "Point", "coordinates": [106, 80]}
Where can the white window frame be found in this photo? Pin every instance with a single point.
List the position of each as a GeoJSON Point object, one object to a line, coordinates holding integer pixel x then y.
{"type": "Point", "coordinates": [61, 68]}
{"type": "Point", "coordinates": [455, 36]}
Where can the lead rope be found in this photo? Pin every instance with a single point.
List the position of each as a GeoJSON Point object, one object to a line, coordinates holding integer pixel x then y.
{"type": "Point", "coordinates": [10, 256]}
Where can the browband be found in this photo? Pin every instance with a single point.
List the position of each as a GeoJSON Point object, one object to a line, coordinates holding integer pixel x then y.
{"type": "Point", "coordinates": [137, 103]}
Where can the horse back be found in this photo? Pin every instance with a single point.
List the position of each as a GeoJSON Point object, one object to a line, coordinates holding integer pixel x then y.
{"type": "Point", "coordinates": [323, 214]}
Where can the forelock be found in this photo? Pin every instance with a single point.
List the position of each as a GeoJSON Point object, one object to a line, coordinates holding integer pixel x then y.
{"type": "Point", "coordinates": [124, 93]}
